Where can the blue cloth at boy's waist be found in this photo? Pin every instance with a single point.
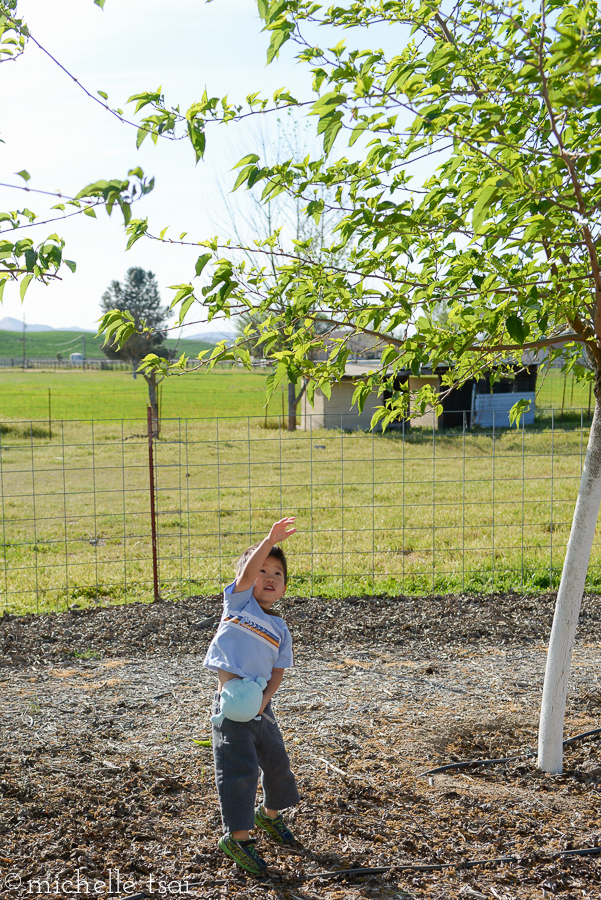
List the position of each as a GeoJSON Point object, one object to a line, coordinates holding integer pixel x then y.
{"type": "Point", "coordinates": [265, 714]}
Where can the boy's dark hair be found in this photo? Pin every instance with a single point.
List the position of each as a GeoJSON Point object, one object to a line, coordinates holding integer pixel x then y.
{"type": "Point", "coordinates": [276, 552]}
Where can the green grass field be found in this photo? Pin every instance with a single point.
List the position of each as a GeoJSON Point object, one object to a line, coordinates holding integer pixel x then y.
{"type": "Point", "coordinates": [376, 513]}
{"type": "Point", "coordinates": [46, 345]}
{"type": "Point", "coordinates": [95, 394]}
{"type": "Point", "coordinates": [557, 391]}
{"type": "Point", "coordinates": [76, 394]}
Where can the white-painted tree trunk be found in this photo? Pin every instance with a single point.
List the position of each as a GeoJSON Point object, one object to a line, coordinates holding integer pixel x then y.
{"type": "Point", "coordinates": [567, 607]}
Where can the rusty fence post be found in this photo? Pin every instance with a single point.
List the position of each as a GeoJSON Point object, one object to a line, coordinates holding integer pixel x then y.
{"type": "Point", "coordinates": [153, 513]}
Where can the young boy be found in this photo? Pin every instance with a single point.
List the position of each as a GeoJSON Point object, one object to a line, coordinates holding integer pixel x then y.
{"type": "Point", "coordinates": [253, 641]}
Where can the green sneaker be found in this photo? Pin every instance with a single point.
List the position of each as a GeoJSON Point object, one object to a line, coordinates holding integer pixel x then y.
{"type": "Point", "coordinates": [276, 828]}
{"type": "Point", "coordinates": [244, 854]}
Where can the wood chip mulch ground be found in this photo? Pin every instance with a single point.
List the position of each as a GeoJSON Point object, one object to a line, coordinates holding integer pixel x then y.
{"type": "Point", "coordinates": [104, 791]}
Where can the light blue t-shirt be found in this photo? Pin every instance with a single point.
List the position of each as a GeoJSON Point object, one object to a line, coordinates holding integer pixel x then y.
{"type": "Point", "coordinates": [249, 642]}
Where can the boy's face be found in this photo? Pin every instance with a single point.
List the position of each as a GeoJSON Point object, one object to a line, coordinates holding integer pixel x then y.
{"type": "Point", "coordinates": [269, 583]}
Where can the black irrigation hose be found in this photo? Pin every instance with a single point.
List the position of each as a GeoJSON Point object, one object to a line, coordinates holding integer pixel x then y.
{"type": "Point", "coordinates": [494, 762]}
{"type": "Point", "coordinates": [439, 867]}
{"type": "Point", "coordinates": [580, 737]}
{"type": "Point", "coordinates": [416, 867]}
{"type": "Point", "coordinates": [475, 762]}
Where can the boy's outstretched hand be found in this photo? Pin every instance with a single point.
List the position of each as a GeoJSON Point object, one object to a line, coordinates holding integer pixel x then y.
{"type": "Point", "coordinates": [279, 532]}
{"type": "Point", "coordinates": [282, 530]}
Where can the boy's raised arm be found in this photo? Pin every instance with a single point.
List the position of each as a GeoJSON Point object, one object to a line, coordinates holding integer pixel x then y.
{"type": "Point", "coordinates": [279, 532]}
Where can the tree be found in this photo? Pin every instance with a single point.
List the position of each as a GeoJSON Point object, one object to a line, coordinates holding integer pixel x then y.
{"type": "Point", "coordinates": [281, 218]}
{"type": "Point", "coordinates": [502, 105]}
{"type": "Point", "coordinates": [138, 297]}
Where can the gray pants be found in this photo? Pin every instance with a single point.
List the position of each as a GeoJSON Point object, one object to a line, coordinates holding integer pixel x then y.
{"type": "Point", "coordinates": [240, 749]}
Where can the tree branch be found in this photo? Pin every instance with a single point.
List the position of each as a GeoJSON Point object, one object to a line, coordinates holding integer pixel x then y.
{"type": "Point", "coordinates": [566, 156]}
{"type": "Point", "coordinates": [478, 348]}
{"type": "Point", "coordinates": [27, 272]}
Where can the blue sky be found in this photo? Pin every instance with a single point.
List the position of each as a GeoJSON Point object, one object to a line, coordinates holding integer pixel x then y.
{"type": "Point", "coordinates": [65, 140]}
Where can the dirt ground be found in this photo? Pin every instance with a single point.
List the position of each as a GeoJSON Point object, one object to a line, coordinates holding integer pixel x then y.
{"type": "Point", "coordinates": [104, 790]}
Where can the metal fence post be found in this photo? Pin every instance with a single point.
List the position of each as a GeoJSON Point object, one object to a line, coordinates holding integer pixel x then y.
{"type": "Point", "coordinates": [153, 516]}
{"type": "Point", "coordinates": [3, 524]}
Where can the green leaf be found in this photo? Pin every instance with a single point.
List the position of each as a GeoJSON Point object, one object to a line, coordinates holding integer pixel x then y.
{"type": "Point", "coordinates": [186, 304]}
{"type": "Point", "coordinates": [201, 263]}
{"type": "Point", "coordinates": [31, 258]}
{"type": "Point", "coordinates": [197, 139]}
{"type": "Point", "coordinates": [279, 36]}
{"type": "Point", "coordinates": [24, 285]}
{"type": "Point", "coordinates": [24, 174]}
{"type": "Point", "coordinates": [100, 3]}
{"type": "Point", "coordinates": [183, 291]}
{"type": "Point", "coordinates": [123, 334]}
{"type": "Point", "coordinates": [331, 133]}
{"type": "Point", "coordinates": [273, 381]}
{"type": "Point", "coordinates": [243, 176]}
{"type": "Point", "coordinates": [208, 743]}
{"type": "Point", "coordinates": [485, 198]}
{"type": "Point", "coordinates": [250, 158]}
{"type": "Point", "coordinates": [517, 411]}
{"type": "Point", "coordinates": [282, 96]}
{"type": "Point", "coordinates": [145, 98]}
{"type": "Point", "coordinates": [113, 323]}
{"type": "Point", "coordinates": [136, 229]}
{"type": "Point", "coordinates": [516, 329]}
{"type": "Point", "coordinates": [95, 189]}
{"type": "Point", "coordinates": [357, 132]}
{"type": "Point", "coordinates": [328, 103]}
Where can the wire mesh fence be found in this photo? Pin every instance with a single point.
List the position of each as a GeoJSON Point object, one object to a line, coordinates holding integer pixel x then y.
{"type": "Point", "coordinates": [409, 511]}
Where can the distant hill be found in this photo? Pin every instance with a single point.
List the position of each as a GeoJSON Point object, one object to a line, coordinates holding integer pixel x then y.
{"type": "Point", "coordinates": [214, 337]}
{"type": "Point", "coordinates": [10, 324]}
{"type": "Point", "coordinates": [210, 333]}
{"type": "Point", "coordinates": [46, 344]}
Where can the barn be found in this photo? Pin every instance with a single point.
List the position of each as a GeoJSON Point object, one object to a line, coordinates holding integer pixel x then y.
{"type": "Point", "coordinates": [476, 402]}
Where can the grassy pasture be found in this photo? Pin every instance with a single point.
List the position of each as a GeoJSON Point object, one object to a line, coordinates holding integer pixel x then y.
{"type": "Point", "coordinates": [76, 394]}
{"type": "Point", "coordinates": [46, 344]}
{"type": "Point", "coordinates": [108, 395]}
{"type": "Point", "coordinates": [376, 513]}
{"type": "Point", "coordinates": [557, 391]}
